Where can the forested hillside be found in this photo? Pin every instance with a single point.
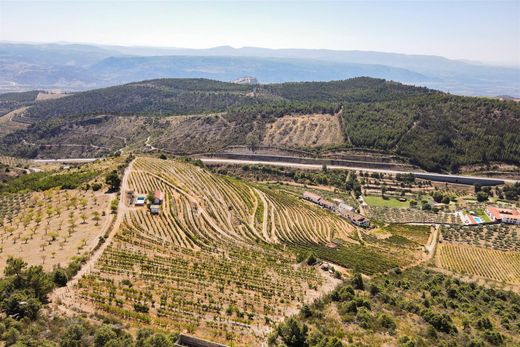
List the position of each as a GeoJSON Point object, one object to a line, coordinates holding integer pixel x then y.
{"type": "Point", "coordinates": [11, 101]}
{"type": "Point", "coordinates": [436, 131]}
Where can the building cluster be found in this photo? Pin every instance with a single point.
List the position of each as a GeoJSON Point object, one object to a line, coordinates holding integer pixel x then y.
{"type": "Point", "coordinates": [503, 215]}
{"type": "Point", "coordinates": [337, 205]}
{"type": "Point", "coordinates": [156, 200]}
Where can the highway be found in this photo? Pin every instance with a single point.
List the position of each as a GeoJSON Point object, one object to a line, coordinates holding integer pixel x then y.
{"type": "Point", "coordinates": [69, 160]}
{"type": "Point", "coordinates": [419, 174]}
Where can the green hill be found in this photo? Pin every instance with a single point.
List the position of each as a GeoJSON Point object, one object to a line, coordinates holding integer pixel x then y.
{"type": "Point", "coordinates": [436, 131]}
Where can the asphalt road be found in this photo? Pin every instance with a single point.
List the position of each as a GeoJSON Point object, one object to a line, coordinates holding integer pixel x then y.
{"type": "Point", "coordinates": [318, 166]}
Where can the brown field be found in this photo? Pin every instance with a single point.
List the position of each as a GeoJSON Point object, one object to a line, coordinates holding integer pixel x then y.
{"type": "Point", "coordinates": [304, 131]}
{"type": "Point", "coordinates": [49, 228]}
{"type": "Point", "coordinates": [7, 126]}
{"type": "Point", "coordinates": [43, 96]}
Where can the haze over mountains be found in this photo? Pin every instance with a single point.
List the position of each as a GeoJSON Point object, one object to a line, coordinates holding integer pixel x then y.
{"type": "Point", "coordinates": [76, 67]}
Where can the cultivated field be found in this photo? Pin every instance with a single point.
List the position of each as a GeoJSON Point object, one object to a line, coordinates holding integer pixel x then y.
{"type": "Point", "coordinates": [214, 262]}
{"type": "Point", "coordinates": [304, 131]}
{"type": "Point", "coordinates": [497, 236]}
{"type": "Point", "coordinates": [410, 215]}
{"type": "Point", "coordinates": [51, 227]}
{"type": "Point", "coordinates": [7, 125]}
{"type": "Point", "coordinates": [480, 262]}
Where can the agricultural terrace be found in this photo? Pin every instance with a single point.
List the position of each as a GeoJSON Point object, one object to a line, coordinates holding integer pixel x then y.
{"type": "Point", "coordinates": [14, 162]}
{"type": "Point", "coordinates": [479, 262]}
{"type": "Point", "coordinates": [420, 234]}
{"type": "Point", "coordinates": [51, 227]}
{"type": "Point", "coordinates": [214, 262]}
{"type": "Point", "coordinates": [202, 209]}
{"type": "Point", "coordinates": [502, 237]}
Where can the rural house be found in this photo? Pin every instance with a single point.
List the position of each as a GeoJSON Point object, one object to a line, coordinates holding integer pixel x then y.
{"type": "Point", "coordinates": [504, 215]}
{"type": "Point", "coordinates": [315, 198]}
{"type": "Point", "coordinates": [355, 218]}
{"type": "Point", "coordinates": [155, 209]}
{"type": "Point", "coordinates": [158, 197]}
{"type": "Point", "coordinates": [140, 200]}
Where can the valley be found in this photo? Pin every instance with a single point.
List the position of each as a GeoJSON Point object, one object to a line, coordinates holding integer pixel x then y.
{"type": "Point", "coordinates": [206, 210]}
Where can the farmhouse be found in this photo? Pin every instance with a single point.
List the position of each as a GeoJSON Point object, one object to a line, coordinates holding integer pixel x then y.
{"type": "Point", "coordinates": [504, 215]}
{"type": "Point", "coordinates": [315, 198]}
{"type": "Point", "coordinates": [155, 209]}
{"type": "Point", "coordinates": [355, 218]}
{"type": "Point", "coordinates": [158, 197]}
{"type": "Point", "coordinates": [344, 207]}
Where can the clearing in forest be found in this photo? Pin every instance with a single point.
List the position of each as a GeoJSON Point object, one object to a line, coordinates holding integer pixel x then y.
{"type": "Point", "coordinates": [313, 130]}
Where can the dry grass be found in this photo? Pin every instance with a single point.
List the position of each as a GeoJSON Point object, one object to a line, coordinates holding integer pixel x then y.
{"type": "Point", "coordinates": [49, 229]}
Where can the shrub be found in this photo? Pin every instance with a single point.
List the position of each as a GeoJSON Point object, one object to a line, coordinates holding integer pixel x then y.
{"type": "Point", "coordinates": [357, 281]}
{"type": "Point", "coordinates": [292, 333]}
{"type": "Point", "coordinates": [386, 322]}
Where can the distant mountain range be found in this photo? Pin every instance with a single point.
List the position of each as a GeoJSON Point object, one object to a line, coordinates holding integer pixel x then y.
{"type": "Point", "coordinates": [76, 67]}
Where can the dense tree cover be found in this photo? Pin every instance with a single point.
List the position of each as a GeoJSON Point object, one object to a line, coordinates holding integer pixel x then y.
{"type": "Point", "coordinates": [438, 132]}
{"type": "Point", "coordinates": [416, 307]}
{"type": "Point", "coordinates": [185, 96]}
{"type": "Point", "coordinates": [512, 192]}
{"type": "Point", "coordinates": [360, 89]}
{"type": "Point", "coordinates": [166, 97]}
{"type": "Point", "coordinates": [39, 181]}
{"type": "Point", "coordinates": [113, 180]}
{"type": "Point", "coordinates": [12, 101]}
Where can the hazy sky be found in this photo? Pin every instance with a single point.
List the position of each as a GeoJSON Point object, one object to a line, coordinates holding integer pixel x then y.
{"type": "Point", "coordinates": [486, 31]}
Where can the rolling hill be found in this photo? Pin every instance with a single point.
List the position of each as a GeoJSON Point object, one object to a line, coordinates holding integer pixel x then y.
{"type": "Point", "coordinates": [434, 130]}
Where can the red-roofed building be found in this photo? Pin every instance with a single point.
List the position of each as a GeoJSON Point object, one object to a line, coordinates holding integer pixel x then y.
{"type": "Point", "coordinates": [158, 197]}
{"type": "Point", "coordinates": [494, 214]}
{"type": "Point", "coordinates": [505, 215]}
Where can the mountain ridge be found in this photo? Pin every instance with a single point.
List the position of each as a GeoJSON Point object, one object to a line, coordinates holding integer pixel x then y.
{"type": "Point", "coordinates": [73, 67]}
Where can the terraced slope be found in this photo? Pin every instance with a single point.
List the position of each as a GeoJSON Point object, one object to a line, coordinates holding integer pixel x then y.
{"type": "Point", "coordinates": [304, 131]}
{"type": "Point", "coordinates": [202, 209]}
{"type": "Point", "coordinates": [213, 262]}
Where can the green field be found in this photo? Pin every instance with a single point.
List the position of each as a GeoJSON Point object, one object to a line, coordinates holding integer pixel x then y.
{"type": "Point", "coordinates": [387, 202]}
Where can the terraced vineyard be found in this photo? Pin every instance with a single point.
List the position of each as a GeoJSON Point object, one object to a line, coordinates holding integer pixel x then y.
{"type": "Point", "coordinates": [502, 237]}
{"type": "Point", "coordinates": [482, 262]}
{"type": "Point", "coordinates": [214, 262]}
{"type": "Point", "coordinates": [202, 210]}
{"type": "Point", "coordinates": [14, 162]}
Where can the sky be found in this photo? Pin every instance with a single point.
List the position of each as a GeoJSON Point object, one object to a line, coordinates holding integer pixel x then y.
{"type": "Point", "coordinates": [485, 31]}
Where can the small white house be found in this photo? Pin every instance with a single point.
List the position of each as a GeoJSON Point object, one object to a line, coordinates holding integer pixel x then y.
{"type": "Point", "coordinates": [342, 207]}
{"type": "Point", "coordinates": [140, 200]}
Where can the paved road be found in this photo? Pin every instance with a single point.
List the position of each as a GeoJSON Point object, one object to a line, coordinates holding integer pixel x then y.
{"type": "Point", "coordinates": [318, 166]}
{"type": "Point", "coordinates": [431, 176]}
{"type": "Point", "coordinates": [70, 160]}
